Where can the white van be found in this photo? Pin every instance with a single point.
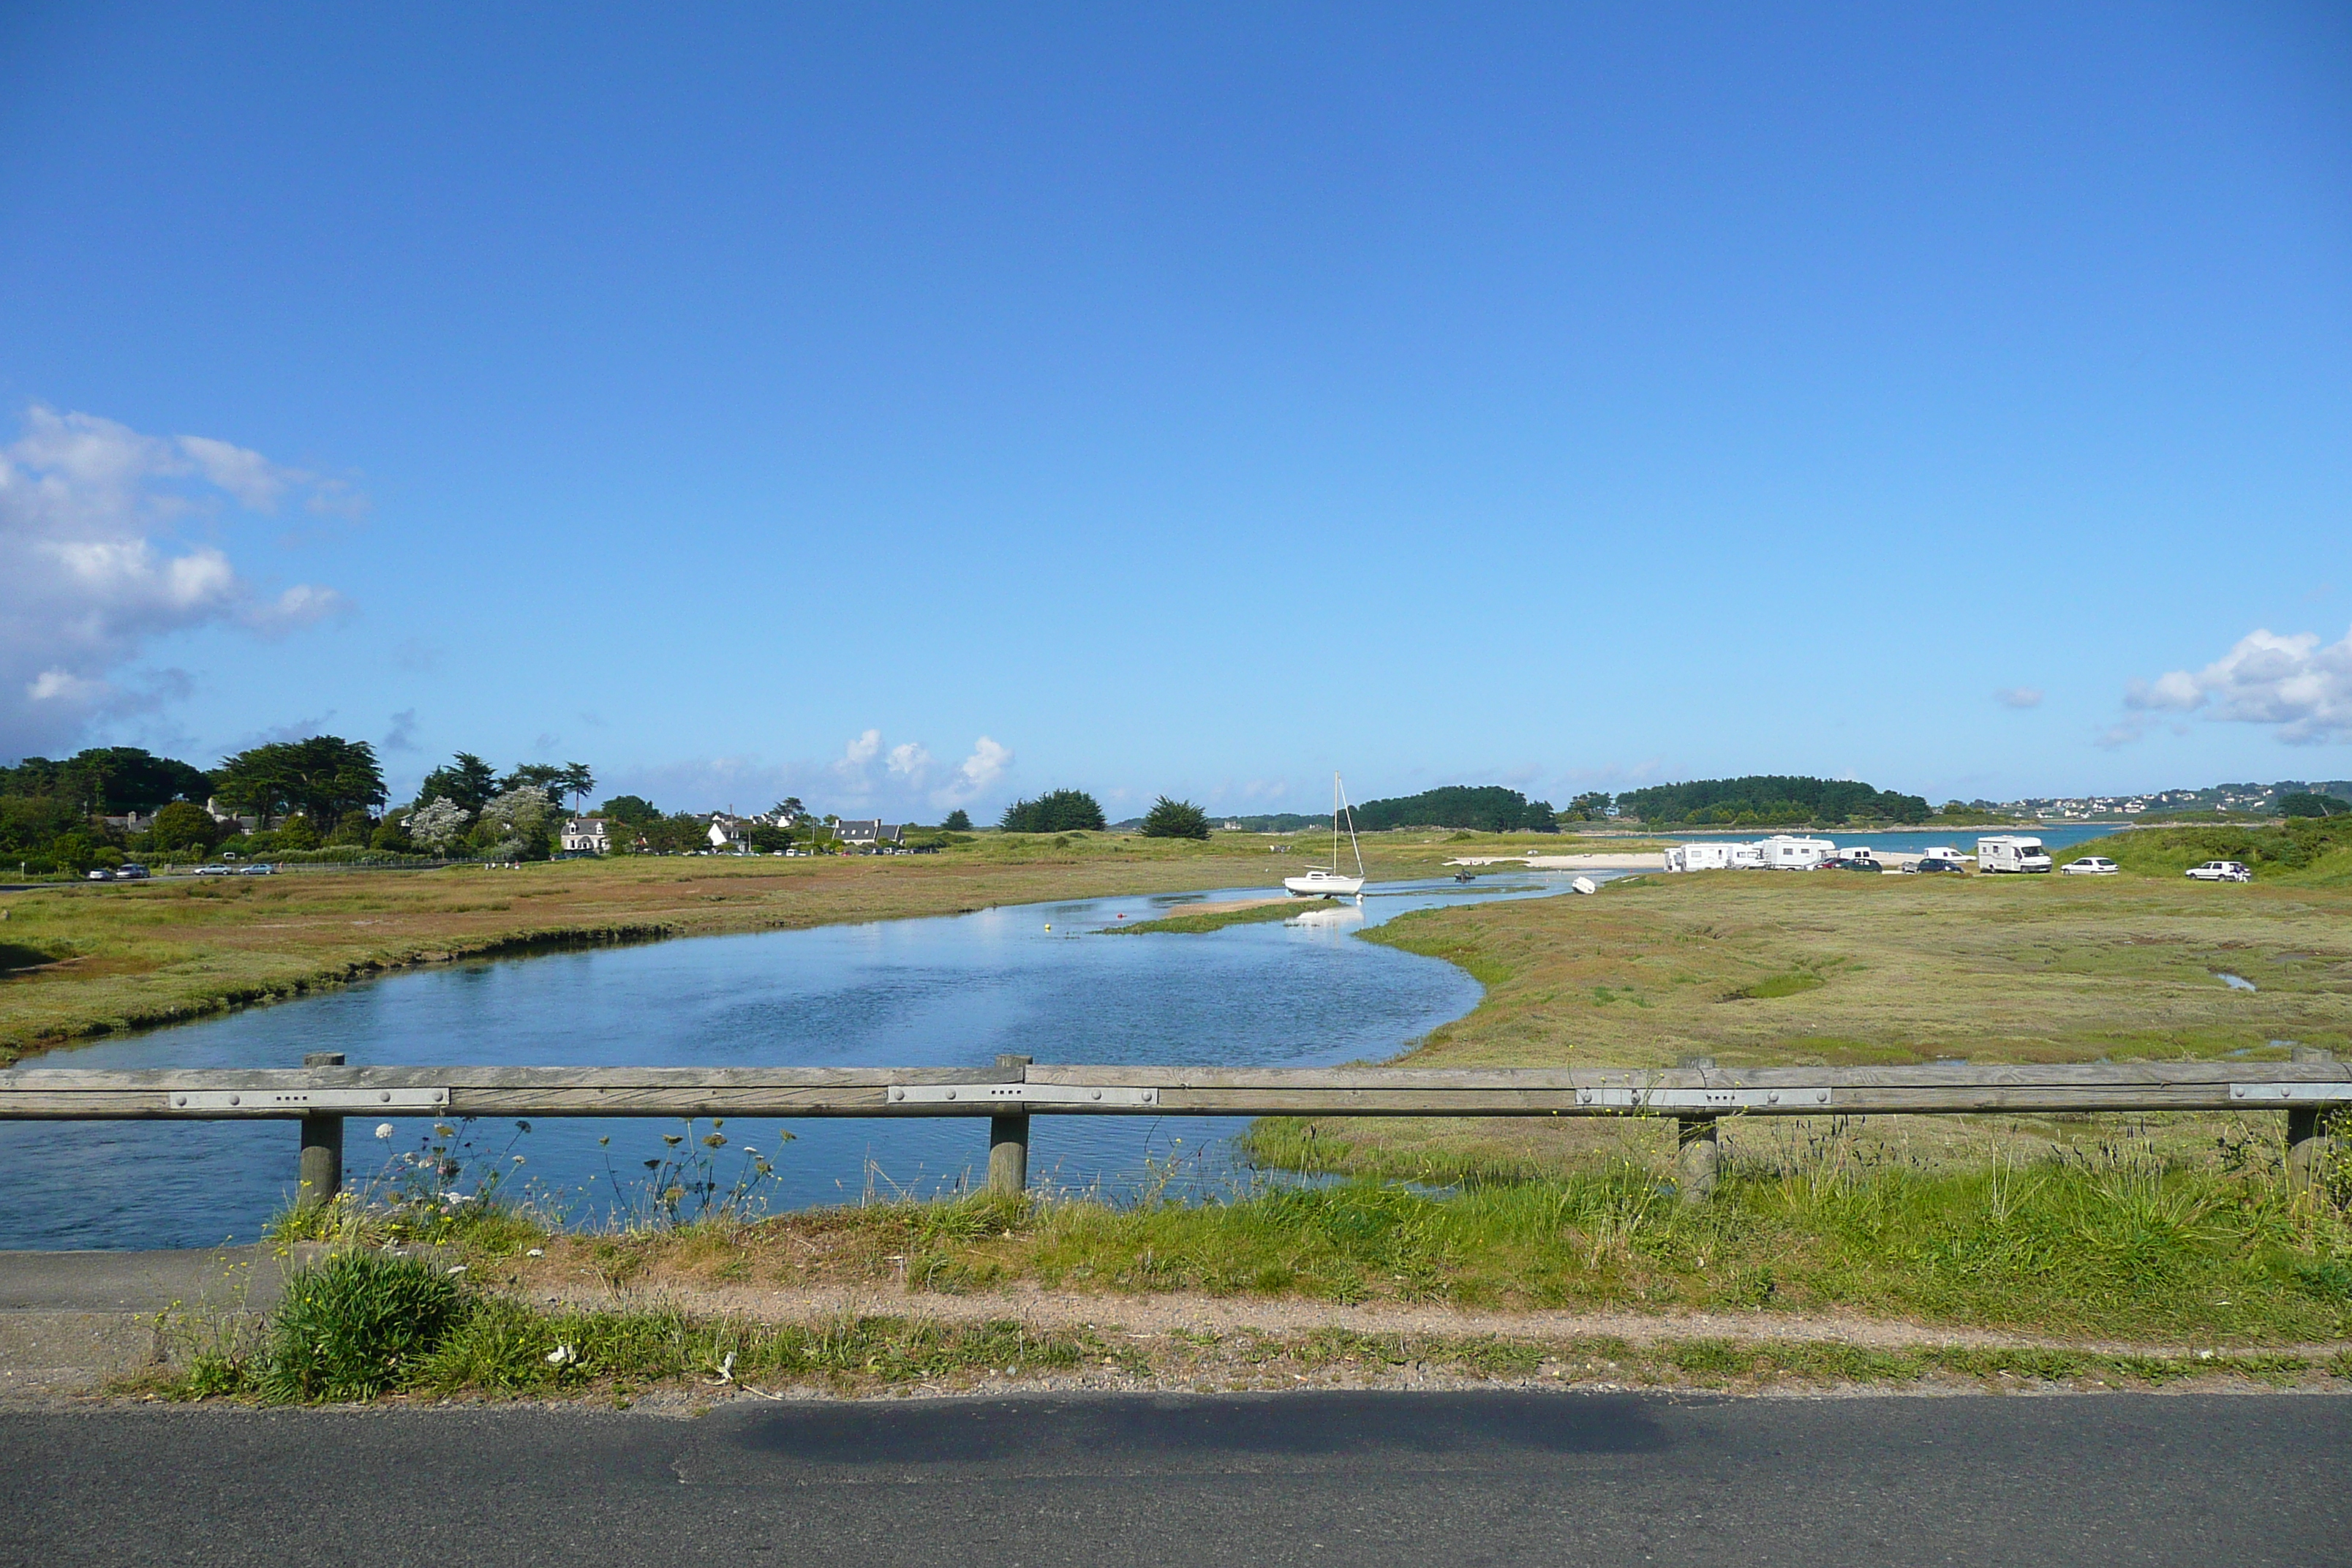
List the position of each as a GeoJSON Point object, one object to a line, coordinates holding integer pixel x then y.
{"type": "Point", "coordinates": [1747, 857]}
{"type": "Point", "coordinates": [2012, 852]}
{"type": "Point", "coordinates": [1786, 852]}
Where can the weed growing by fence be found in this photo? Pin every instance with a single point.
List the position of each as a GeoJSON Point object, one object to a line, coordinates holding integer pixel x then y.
{"type": "Point", "coordinates": [352, 1326]}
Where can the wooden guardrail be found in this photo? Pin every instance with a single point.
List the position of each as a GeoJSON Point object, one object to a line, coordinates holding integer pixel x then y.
{"type": "Point", "coordinates": [1697, 1095]}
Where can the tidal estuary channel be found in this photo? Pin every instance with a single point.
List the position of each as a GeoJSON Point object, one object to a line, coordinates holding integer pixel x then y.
{"type": "Point", "coordinates": [1039, 979]}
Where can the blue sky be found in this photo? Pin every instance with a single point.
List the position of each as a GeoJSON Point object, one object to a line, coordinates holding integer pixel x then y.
{"type": "Point", "coordinates": [1175, 399]}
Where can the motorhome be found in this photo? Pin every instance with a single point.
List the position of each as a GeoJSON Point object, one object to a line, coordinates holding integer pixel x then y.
{"type": "Point", "coordinates": [1787, 852]}
{"type": "Point", "coordinates": [2012, 852]}
{"type": "Point", "coordinates": [1747, 858]}
{"type": "Point", "coordinates": [1699, 857]}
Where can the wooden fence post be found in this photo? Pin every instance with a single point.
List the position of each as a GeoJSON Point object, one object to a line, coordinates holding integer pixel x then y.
{"type": "Point", "coordinates": [1698, 1149]}
{"type": "Point", "coordinates": [1008, 1141]}
{"type": "Point", "coordinates": [322, 1146]}
{"type": "Point", "coordinates": [2307, 1153]}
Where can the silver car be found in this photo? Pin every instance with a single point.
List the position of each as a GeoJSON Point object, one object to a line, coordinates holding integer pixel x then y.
{"type": "Point", "coordinates": [2220, 871]}
{"type": "Point", "coordinates": [2090, 866]}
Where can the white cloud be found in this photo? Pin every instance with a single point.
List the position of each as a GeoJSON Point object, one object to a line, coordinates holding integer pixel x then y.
{"type": "Point", "coordinates": [910, 762]}
{"type": "Point", "coordinates": [257, 483]}
{"type": "Point", "coordinates": [90, 571]}
{"type": "Point", "coordinates": [63, 686]}
{"type": "Point", "coordinates": [2294, 684]}
{"type": "Point", "coordinates": [2019, 697]}
{"type": "Point", "coordinates": [986, 764]}
{"type": "Point", "coordinates": [860, 752]}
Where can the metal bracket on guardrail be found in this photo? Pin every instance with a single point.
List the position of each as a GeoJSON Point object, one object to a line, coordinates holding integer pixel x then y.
{"type": "Point", "coordinates": [325, 1101]}
{"type": "Point", "coordinates": [2340, 1089]}
{"type": "Point", "coordinates": [1020, 1094]}
{"type": "Point", "coordinates": [1701, 1098]}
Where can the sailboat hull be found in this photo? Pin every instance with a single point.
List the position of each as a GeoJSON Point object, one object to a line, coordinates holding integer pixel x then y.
{"type": "Point", "coordinates": [1323, 885]}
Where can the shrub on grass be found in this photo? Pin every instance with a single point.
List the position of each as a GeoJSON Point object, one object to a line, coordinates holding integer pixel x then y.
{"type": "Point", "coordinates": [353, 1325]}
{"type": "Point", "coordinates": [1175, 819]}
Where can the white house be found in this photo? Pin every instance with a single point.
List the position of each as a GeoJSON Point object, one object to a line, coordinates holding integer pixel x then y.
{"type": "Point", "coordinates": [730, 834]}
{"type": "Point", "coordinates": [870, 835]}
{"type": "Point", "coordinates": [586, 835]}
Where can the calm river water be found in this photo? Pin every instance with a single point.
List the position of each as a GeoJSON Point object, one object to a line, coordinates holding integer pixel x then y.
{"type": "Point", "coordinates": [951, 991]}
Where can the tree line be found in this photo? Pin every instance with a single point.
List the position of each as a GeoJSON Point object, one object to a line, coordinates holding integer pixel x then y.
{"type": "Point", "coordinates": [1488, 808]}
{"type": "Point", "coordinates": [1770, 800]}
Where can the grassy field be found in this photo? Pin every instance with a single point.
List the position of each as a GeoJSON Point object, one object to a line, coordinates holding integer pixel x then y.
{"type": "Point", "coordinates": [1756, 969]}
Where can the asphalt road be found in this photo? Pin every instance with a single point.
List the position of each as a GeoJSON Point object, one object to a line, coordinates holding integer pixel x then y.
{"type": "Point", "coordinates": [1320, 1478]}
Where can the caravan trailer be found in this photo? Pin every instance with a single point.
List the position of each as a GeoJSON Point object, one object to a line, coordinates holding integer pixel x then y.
{"type": "Point", "coordinates": [2009, 852]}
{"type": "Point", "coordinates": [1700, 858]}
{"type": "Point", "coordinates": [1786, 852]}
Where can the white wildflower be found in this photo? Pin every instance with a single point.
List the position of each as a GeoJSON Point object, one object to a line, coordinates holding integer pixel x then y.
{"type": "Point", "coordinates": [383, 1130]}
{"type": "Point", "coordinates": [562, 1355]}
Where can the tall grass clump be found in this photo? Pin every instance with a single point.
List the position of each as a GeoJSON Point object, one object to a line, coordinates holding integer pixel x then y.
{"type": "Point", "coordinates": [353, 1325]}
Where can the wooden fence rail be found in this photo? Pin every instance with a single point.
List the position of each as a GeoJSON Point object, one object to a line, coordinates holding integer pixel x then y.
{"type": "Point", "coordinates": [1697, 1094]}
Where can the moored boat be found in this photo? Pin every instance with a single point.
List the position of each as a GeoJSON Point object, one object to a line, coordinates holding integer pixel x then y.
{"type": "Point", "coordinates": [1319, 883]}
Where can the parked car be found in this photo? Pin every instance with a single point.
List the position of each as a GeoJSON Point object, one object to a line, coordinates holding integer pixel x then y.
{"type": "Point", "coordinates": [1934, 863]}
{"type": "Point", "coordinates": [2090, 866]}
{"type": "Point", "coordinates": [259, 869]}
{"type": "Point", "coordinates": [100, 874]}
{"type": "Point", "coordinates": [132, 871]}
{"type": "Point", "coordinates": [2222, 871]}
{"type": "Point", "coordinates": [212, 870]}
{"type": "Point", "coordinates": [1852, 863]}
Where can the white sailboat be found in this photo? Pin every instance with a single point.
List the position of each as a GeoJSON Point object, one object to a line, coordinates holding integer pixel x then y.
{"type": "Point", "coordinates": [1332, 884]}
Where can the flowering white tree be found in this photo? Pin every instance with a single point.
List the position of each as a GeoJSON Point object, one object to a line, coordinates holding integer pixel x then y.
{"type": "Point", "coordinates": [437, 823]}
{"type": "Point", "coordinates": [519, 812]}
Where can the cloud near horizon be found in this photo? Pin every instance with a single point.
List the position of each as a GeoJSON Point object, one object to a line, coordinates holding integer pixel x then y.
{"type": "Point", "coordinates": [90, 572]}
{"type": "Point", "coordinates": [2294, 684]}
{"type": "Point", "coordinates": [2019, 697]}
{"type": "Point", "coordinates": [869, 777]}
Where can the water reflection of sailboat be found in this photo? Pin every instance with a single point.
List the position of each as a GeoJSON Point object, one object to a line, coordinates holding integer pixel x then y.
{"type": "Point", "coordinates": [1337, 917]}
{"type": "Point", "coordinates": [1321, 884]}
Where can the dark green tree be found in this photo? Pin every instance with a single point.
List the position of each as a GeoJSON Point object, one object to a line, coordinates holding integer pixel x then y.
{"type": "Point", "coordinates": [579, 782]}
{"type": "Point", "coordinates": [1488, 808]}
{"type": "Point", "coordinates": [2307, 802]}
{"type": "Point", "coordinates": [322, 778]}
{"type": "Point", "coordinates": [536, 776]}
{"type": "Point", "coordinates": [108, 779]}
{"type": "Point", "coordinates": [181, 827]}
{"type": "Point", "coordinates": [1056, 811]}
{"type": "Point", "coordinates": [634, 809]}
{"type": "Point", "coordinates": [1590, 806]}
{"type": "Point", "coordinates": [466, 781]}
{"type": "Point", "coordinates": [1175, 819]}
{"type": "Point", "coordinates": [958, 821]}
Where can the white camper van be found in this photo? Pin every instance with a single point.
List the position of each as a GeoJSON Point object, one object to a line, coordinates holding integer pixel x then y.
{"type": "Point", "coordinates": [1786, 852]}
{"type": "Point", "coordinates": [2009, 852]}
{"type": "Point", "coordinates": [1699, 857]}
{"type": "Point", "coordinates": [1746, 856]}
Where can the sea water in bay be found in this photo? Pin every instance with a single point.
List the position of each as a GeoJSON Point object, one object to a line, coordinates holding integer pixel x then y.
{"type": "Point", "coordinates": [953, 991]}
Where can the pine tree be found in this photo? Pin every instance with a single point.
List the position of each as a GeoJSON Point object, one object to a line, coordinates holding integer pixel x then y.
{"type": "Point", "coordinates": [1175, 819]}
